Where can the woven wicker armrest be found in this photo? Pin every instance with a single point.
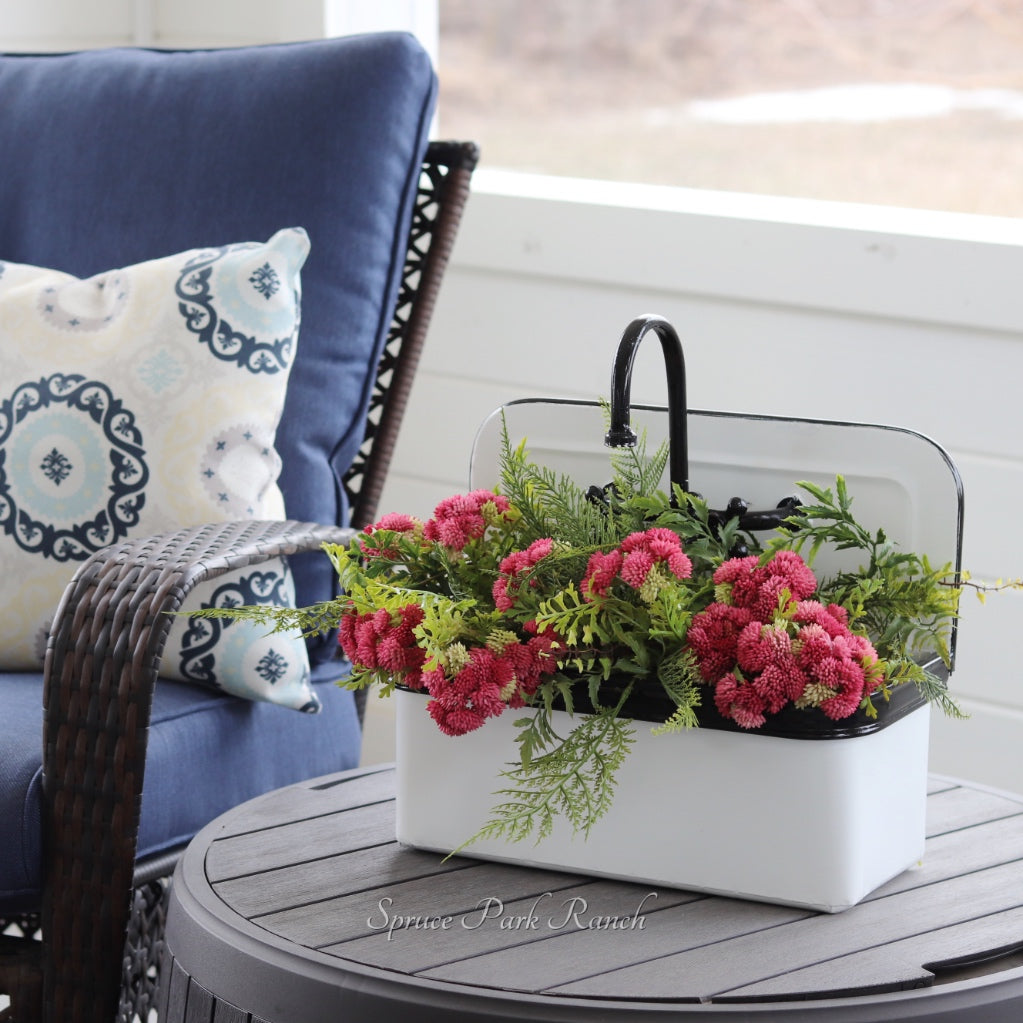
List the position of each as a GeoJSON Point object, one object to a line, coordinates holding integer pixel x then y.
{"type": "Point", "coordinates": [101, 667]}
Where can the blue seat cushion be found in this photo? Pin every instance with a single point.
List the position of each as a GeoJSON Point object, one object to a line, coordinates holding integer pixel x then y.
{"type": "Point", "coordinates": [113, 157]}
{"type": "Point", "coordinates": [216, 750]}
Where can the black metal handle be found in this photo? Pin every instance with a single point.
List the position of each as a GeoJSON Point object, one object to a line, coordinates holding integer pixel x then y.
{"type": "Point", "coordinates": [621, 433]}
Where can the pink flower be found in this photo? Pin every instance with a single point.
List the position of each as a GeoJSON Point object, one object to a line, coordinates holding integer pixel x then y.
{"type": "Point", "coordinates": [654, 546]}
{"type": "Point", "coordinates": [735, 569]}
{"type": "Point", "coordinates": [544, 647]}
{"type": "Point", "coordinates": [488, 684]}
{"type": "Point", "coordinates": [814, 645]}
{"type": "Point", "coordinates": [833, 619]}
{"type": "Point", "coordinates": [779, 684]}
{"type": "Point", "coordinates": [847, 665]}
{"type": "Point", "coordinates": [393, 522]}
{"type": "Point", "coordinates": [633, 561]}
{"type": "Point", "coordinates": [759, 645]}
{"type": "Point", "coordinates": [459, 519]}
{"type": "Point", "coordinates": [713, 636]}
{"type": "Point", "coordinates": [601, 571]}
{"type": "Point", "coordinates": [529, 662]}
{"type": "Point", "coordinates": [742, 703]}
{"type": "Point", "coordinates": [455, 720]}
{"type": "Point", "coordinates": [764, 655]}
{"type": "Point", "coordinates": [378, 640]}
{"type": "Point", "coordinates": [863, 650]}
{"type": "Point", "coordinates": [842, 705]}
{"type": "Point", "coordinates": [499, 591]}
{"type": "Point", "coordinates": [800, 579]}
{"type": "Point", "coordinates": [787, 648]}
{"type": "Point", "coordinates": [636, 567]}
{"type": "Point", "coordinates": [518, 563]}
{"type": "Point", "coordinates": [491, 681]}
{"type": "Point", "coordinates": [396, 522]}
{"type": "Point", "coordinates": [462, 704]}
{"type": "Point", "coordinates": [760, 587]}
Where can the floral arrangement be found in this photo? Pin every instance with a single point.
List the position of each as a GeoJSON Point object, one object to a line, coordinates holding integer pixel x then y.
{"type": "Point", "coordinates": [764, 641]}
{"type": "Point", "coordinates": [539, 594]}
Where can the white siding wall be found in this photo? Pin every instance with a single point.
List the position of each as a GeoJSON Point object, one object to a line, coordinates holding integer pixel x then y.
{"type": "Point", "coordinates": [45, 25]}
{"type": "Point", "coordinates": [65, 24]}
{"type": "Point", "coordinates": [785, 307]}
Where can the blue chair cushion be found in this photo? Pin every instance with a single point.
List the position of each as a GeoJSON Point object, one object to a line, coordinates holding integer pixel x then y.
{"type": "Point", "coordinates": [112, 157]}
{"type": "Point", "coordinates": [216, 750]}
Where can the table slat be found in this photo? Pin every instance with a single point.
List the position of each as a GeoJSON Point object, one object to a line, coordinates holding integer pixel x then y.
{"type": "Point", "coordinates": [954, 853]}
{"type": "Point", "coordinates": [844, 975]}
{"type": "Point", "coordinates": [304, 840]}
{"type": "Point", "coordinates": [311, 798]}
{"type": "Point", "coordinates": [331, 877]}
{"type": "Point", "coordinates": [963, 808]}
{"type": "Point", "coordinates": [709, 971]}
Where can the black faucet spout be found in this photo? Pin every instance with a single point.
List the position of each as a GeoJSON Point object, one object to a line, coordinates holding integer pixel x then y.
{"type": "Point", "coordinates": [620, 433]}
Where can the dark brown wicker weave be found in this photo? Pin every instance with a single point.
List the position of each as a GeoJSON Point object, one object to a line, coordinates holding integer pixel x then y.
{"type": "Point", "coordinates": [102, 664]}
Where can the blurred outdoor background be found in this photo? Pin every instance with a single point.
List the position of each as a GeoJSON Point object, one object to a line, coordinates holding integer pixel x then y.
{"type": "Point", "coordinates": [898, 102]}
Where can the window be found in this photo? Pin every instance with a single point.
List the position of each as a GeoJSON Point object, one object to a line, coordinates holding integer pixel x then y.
{"type": "Point", "coordinates": [896, 102]}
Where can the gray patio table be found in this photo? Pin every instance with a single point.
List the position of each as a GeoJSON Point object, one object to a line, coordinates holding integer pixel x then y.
{"type": "Point", "coordinates": [299, 907]}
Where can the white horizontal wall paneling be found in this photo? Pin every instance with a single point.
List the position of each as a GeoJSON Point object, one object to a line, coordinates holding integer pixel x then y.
{"type": "Point", "coordinates": [199, 23]}
{"type": "Point", "coordinates": [785, 307]}
{"type": "Point", "coordinates": [859, 259]}
{"type": "Point", "coordinates": [50, 25]}
{"type": "Point", "coordinates": [236, 22]}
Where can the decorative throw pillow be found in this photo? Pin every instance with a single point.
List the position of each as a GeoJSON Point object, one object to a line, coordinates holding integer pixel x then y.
{"type": "Point", "coordinates": [239, 656]}
{"type": "Point", "coordinates": [140, 401]}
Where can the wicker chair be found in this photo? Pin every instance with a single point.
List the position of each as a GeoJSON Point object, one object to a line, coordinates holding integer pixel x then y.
{"type": "Point", "coordinates": [100, 913]}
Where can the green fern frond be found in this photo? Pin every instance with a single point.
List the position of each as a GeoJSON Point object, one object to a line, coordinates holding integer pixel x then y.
{"type": "Point", "coordinates": [680, 678]}
{"type": "Point", "coordinates": [550, 504]}
{"type": "Point", "coordinates": [634, 471]}
{"type": "Point", "coordinates": [903, 670]}
{"type": "Point", "coordinates": [905, 604]}
{"type": "Point", "coordinates": [315, 620]}
{"type": "Point", "coordinates": [574, 779]}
